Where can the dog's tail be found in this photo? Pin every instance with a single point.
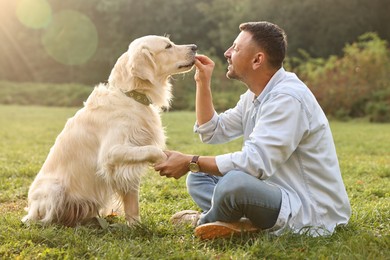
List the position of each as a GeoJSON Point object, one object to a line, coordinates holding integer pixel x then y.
{"type": "Point", "coordinates": [52, 204]}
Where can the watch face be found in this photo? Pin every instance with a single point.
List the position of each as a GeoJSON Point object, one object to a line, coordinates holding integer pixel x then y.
{"type": "Point", "coordinates": [194, 167]}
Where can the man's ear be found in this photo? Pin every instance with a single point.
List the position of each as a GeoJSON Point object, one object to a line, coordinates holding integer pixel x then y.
{"type": "Point", "coordinates": [258, 60]}
{"type": "Point", "coordinates": [143, 65]}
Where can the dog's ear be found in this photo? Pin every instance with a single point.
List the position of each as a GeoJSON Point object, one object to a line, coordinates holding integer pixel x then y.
{"type": "Point", "coordinates": [143, 65]}
{"type": "Point", "coordinates": [120, 74]}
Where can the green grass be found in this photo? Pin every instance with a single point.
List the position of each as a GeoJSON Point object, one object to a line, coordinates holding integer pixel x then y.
{"type": "Point", "coordinates": [27, 133]}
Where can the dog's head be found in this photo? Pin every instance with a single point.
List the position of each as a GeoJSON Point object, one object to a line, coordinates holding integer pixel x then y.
{"type": "Point", "coordinates": [153, 59]}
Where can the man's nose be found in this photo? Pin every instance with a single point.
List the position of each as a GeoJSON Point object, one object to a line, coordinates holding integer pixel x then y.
{"type": "Point", "coordinates": [227, 53]}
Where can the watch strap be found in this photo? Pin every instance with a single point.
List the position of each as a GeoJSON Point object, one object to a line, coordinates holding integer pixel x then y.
{"type": "Point", "coordinates": [195, 159]}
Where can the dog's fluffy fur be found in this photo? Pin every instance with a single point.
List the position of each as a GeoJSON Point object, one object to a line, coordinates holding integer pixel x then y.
{"type": "Point", "coordinates": [104, 148]}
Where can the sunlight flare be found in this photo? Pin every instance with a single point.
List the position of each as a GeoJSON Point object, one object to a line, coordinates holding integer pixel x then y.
{"type": "Point", "coordinates": [71, 38]}
{"type": "Point", "coordinates": [34, 14]}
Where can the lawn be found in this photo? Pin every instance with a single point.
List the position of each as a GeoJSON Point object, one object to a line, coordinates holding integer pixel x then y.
{"type": "Point", "coordinates": [27, 133]}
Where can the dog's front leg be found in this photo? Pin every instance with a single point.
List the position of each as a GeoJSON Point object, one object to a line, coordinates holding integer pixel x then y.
{"type": "Point", "coordinates": [128, 154]}
{"type": "Point", "coordinates": [131, 207]}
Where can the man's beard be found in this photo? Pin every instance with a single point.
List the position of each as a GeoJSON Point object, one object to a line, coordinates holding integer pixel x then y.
{"type": "Point", "coordinates": [231, 75]}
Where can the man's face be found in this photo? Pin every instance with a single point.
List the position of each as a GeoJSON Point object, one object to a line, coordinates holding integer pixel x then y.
{"type": "Point", "coordinates": [240, 56]}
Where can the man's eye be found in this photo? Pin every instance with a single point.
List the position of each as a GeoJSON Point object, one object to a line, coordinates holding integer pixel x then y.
{"type": "Point", "coordinates": [168, 46]}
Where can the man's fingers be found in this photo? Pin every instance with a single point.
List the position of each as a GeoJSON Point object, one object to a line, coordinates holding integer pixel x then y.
{"type": "Point", "coordinates": [200, 57]}
{"type": "Point", "coordinates": [165, 174]}
{"type": "Point", "coordinates": [199, 65]}
{"type": "Point", "coordinates": [158, 167]}
{"type": "Point", "coordinates": [204, 60]}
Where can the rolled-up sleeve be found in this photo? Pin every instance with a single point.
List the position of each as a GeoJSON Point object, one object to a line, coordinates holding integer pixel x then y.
{"type": "Point", "coordinates": [223, 127]}
{"type": "Point", "coordinates": [206, 130]}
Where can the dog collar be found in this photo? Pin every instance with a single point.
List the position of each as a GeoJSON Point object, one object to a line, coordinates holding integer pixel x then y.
{"type": "Point", "coordinates": [139, 97]}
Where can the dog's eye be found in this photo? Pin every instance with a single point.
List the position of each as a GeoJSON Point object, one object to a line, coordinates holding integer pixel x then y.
{"type": "Point", "coordinates": [168, 46]}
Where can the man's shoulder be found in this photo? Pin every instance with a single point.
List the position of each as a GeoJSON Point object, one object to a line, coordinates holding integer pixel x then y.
{"type": "Point", "coordinates": [290, 84]}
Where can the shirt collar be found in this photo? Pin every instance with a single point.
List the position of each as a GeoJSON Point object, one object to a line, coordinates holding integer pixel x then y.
{"type": "Point", "coordinates": [276, 78]}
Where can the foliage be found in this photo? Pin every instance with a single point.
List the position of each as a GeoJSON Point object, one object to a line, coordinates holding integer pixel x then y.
{"type": "Point", "coordinates": [378, 108]}
{"type": "Point", "coordinates": [30, 39]}
{"type": "Point", "coordinates": [27, 134]}
{"type": "Point", "coordinates": [354, 85]}
{"type": "Point", "coordinates": [40, 43]}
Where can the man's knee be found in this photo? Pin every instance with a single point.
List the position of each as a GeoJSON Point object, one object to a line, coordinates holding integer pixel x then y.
{"type": "Point", "coordinates": [232, 185]}
{"type": "Point", "coordinates": [197, 182]}
{"type": "Point", "coordinates": [193, 180]}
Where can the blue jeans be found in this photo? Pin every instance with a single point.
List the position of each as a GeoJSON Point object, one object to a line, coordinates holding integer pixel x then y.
{"type": "Point", "coordinates": [233, 196]}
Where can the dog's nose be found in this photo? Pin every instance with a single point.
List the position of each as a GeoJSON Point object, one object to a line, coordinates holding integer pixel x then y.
{"type": "Point", "coordinates": [193, 47]}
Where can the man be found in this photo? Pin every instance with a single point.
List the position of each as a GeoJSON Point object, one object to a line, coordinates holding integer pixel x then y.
{"type": "Point", "coordinates": [287, 176]}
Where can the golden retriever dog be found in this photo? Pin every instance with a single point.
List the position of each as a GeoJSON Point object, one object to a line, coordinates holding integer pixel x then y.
{"type": "Point", "coordinates": [107, 145]}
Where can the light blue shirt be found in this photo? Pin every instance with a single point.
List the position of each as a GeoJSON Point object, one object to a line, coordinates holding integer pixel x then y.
{"type": "Point", "coordinates": [287, 142]}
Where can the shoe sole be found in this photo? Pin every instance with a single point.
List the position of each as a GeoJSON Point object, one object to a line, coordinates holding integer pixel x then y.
{"type": "Point", "coordinates": [220, 230]}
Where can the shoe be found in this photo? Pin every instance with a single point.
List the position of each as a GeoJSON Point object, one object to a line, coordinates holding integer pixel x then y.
{"type": "Point", "coordinates": [220, 229]}
{"type": "Point", "coordinates": [186, 217]}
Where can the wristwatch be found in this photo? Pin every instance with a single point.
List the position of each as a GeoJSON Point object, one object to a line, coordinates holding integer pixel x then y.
{"type": "Point", "coordinates": [194, 165]}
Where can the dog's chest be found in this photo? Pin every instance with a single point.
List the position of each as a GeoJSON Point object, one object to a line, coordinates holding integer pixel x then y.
{"type": "Point", "coordinates": [119, 120]}
{"type": "Point", "coordinates": [146, 130]}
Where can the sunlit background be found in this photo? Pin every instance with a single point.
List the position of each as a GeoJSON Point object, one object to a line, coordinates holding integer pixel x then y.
{"type": "Point", "coordinates": [70, 37]}
{"type": "Point", "coordinates": [74, 41]}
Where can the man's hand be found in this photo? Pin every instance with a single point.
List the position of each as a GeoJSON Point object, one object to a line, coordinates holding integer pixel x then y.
{"type": "Point", "coordinates": [204, 70]}
{"type": "Point", "coordinates": [175, 166]}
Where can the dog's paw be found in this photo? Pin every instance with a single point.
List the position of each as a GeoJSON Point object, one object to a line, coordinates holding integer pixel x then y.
{"type": "Point", "coordinates": [132, 220]}
{"type": "Point", "coordinates": [158, 156]}
{"type": "Point", "coordinates": [162, 157]}
{"type": "Point", "coordinates": [25, 220]}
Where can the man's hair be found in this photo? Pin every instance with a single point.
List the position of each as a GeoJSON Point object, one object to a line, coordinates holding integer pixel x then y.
{"type": "Point", "coordinates": [269, 37]}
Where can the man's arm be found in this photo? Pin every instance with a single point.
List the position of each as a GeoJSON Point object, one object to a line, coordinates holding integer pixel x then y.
{"type": "Point", "coordinates": [204, 101]}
